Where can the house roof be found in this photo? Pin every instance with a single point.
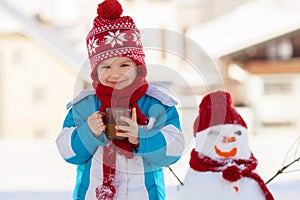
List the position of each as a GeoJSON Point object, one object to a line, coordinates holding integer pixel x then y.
{"type": "Point", "coordinates": [13, 21]}
{"type": "Point", "coordinates": [248, 25]}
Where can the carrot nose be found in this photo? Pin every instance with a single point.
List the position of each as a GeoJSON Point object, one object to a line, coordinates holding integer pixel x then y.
{"type": "Point", "coordinates": [228, 139]}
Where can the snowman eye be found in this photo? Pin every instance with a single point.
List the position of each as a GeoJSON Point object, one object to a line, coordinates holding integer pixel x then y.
{"type": "Point", "coordinates": [213, 133]}
{"type": "Point", "coordinates": [238, 132]}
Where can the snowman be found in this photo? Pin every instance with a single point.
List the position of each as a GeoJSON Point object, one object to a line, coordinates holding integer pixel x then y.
{"type": "Point", "coordinates": [221, 164]}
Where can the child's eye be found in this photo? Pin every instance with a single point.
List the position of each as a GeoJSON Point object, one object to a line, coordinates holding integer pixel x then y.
{"type": "Point", "coordinates": [125, 65]}
{"type": "Point", "coordinates": [104, 67]}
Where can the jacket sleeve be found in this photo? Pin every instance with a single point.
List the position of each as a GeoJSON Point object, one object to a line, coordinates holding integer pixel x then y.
{"type": "Point", "coordinates": [76, 143]}
{"type": "Point", "coordinates": [162, 143]}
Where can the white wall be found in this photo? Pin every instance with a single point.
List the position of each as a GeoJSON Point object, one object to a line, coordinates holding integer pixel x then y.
{"type": "Point", "coordinates": [28, 69]}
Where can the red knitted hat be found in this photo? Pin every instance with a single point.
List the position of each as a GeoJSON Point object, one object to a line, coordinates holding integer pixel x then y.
{"type": "Point", "coordinates": [114, 36]}
{"type": "Point", "coordinates": [216, 108]}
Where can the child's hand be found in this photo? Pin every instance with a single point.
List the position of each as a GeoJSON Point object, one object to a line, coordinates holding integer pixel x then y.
{"type": "Point", "coordinates": [130, 131]}
{"type": "Point", "coordinates": [96, 124]}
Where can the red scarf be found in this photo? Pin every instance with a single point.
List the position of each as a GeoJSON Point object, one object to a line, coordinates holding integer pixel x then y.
{"type": "Point", "coordinates": [126, 97]}
{"type": "Point", "coordinates": [232, 170]}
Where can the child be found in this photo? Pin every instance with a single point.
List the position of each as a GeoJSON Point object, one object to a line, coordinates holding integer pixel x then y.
{"type": "Point", "coordinates": [120, 169]}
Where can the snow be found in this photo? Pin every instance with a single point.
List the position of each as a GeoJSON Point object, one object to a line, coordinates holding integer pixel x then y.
{"type": "Point", "coordinates": [33, 169]}
{"type": "Point", "coordinates": [34, 195]}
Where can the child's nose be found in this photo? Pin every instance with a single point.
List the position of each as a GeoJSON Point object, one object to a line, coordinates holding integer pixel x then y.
{"type": "Point", "coordinates": [116, 71]}
{"type": "Point", "coordinates": [228, 139]}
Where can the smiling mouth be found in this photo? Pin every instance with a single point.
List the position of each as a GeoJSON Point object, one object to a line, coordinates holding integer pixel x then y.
{"type": "Point", "coordinates": [117, 82]}
{"type": "Point", "coordinates": [226, 154]}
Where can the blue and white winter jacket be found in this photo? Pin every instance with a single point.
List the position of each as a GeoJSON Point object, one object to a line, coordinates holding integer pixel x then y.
{"type": "Point", "coordinates": [140, 178]}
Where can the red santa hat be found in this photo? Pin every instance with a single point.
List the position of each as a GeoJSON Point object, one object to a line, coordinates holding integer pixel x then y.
{"type": "Point", "coordinates": [114, 36]}
{"type": "Point", "coordinates": [216, 108]}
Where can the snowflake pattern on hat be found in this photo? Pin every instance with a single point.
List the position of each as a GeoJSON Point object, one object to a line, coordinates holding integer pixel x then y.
{"type": "Point", "coordinates": [137, 38]}
{"type": "Point", "coordinates": [114, 38]}
{"type": "Point", "coordinates": [92, 45]}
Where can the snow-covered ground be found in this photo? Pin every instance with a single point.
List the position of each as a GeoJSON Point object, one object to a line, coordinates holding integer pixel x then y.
{"type": "Point", "coordinates": [33, 169]}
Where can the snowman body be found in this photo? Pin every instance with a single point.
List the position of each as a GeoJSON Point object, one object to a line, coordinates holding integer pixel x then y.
{"type": "Point", "coordinates": [221, 143]}
{"type": "Point", "coordinates": [212, 186]}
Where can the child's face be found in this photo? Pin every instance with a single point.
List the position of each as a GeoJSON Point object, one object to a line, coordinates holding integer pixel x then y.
{"type": "Point", "coordinates": [117, 72]}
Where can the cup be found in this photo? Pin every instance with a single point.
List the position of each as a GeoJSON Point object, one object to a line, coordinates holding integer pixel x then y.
{"type": "Point", "coordinates": [112, 118]}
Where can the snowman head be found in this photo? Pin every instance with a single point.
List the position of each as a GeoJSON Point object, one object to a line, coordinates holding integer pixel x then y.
{"type": "Point", "coordinates": [220, 131]}
{"type": "Point", "coordinates": [223, 142]}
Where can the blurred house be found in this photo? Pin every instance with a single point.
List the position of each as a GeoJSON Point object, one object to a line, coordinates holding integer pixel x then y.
{"type": "Point", "coordinates": [38, 76]}
{"type": "Point", "coordinates": [258, 48]}
{"type": "Point", "coordinates": [273, 84]}
{"type": "Point", "coordinates": [173, 60]}
{"type": "Point", "coordinates": [164, 24]}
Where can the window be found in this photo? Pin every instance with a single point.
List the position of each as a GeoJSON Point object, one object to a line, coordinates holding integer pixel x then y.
{"type": "Point", "coordinates": [280, 50]}
{"type": "Point", "coordinates": [39, 133]}
{"type": "Point", "coordinates": [277, 88]}
{"type": "Point", "coordinates": [39, 95]}
{"type": "Point", "coordinates": [17, 57]}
